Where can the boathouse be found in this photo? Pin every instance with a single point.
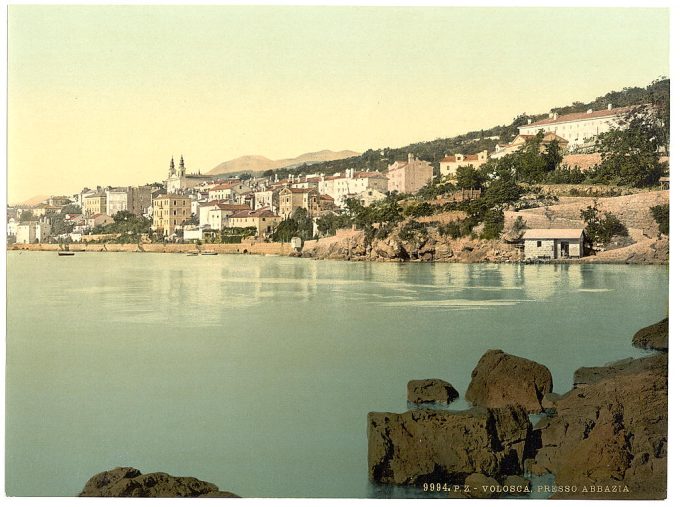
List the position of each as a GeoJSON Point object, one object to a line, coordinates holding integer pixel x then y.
{"type": "Point", "coordinates": [553, 243]}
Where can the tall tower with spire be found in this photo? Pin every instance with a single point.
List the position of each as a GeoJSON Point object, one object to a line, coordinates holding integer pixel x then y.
{"type": "Point", "coordinates": [182, 170]}
{"type": "Point", "coordinates": [171, 172]}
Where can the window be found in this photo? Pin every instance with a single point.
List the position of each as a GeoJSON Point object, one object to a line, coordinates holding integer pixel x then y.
{"type": "Point", "coordinates": [538, 244]}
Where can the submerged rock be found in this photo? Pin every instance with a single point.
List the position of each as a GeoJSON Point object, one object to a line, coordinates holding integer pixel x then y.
{"type": "Point", "coordinates": [423, 445]}
{"type": "Point", "coordinates": [653, 337]}
{"type": "Point", "coordinates": [130, 482]}
{"type": "Point", "coordinates": [501, 379]}
{"type": "Point", "coordinates": [432, 390]}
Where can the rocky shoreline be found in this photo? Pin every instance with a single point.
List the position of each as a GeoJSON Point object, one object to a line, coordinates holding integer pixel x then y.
{"type": "Point", "coordinates": [604, 439]}
{"type": "Point", "coordinates": [434, 247]}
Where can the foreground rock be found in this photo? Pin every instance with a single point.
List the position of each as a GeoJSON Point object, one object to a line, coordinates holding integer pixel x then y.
{"type": "Point", "coordinates": [500, 379]}
{"type": "Point", "coordinates": [653, 337]}
{"type": "Point", "coordinates": [130, 482]}
{"type": "Point", "coordinates": [433, 445]}
{"type": "Point", "coordinates": [611, 432]}
{"type": "Point", "coordinates": [431, 390]}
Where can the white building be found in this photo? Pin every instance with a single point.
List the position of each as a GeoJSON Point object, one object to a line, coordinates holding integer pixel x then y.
{"type": "Point", "coordinates": [32, 232]}
{"type": "Point", "coordinates": [578, 128]}
{"type": "Point", "coordinates": [339, 187]}
{"type": "Point", "coordinates": [12, 225]}
{"type": "Point", "coordinates": [116, 200]}
{"type": "Point", "coordinates": [553, 243]}
{"type": "Point", "coordinates": [213, 215]}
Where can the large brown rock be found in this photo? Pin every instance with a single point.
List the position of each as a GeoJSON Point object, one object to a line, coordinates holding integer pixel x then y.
{"type": "Point", "coordinates": [501, 379]}
{"type": "Point", "coordinates": [130, 482]}
{"type": "Point", "coordinates": [431, 390]}
{"type": "Point", "coordinates": [611, 433]}
{"type": "Point", "coordinates": [653, 337]}
{"type": "Point", "coordinates": [424, 445]}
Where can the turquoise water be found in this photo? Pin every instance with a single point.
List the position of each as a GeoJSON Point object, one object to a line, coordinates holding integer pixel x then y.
{"type": "Point", "coordinates": [256, 373]}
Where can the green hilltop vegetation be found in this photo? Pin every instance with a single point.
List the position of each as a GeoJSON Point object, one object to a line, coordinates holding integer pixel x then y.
{"type": "Point", "coordinates": [475, 141]}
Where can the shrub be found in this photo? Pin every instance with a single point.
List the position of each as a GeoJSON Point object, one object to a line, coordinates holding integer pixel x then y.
{"type": "Point", "coordinates": [601, 227]}
{"type": "Point", "coordinates": [412, 230]}
{"type": "Point", "coordinates": [661, 214]}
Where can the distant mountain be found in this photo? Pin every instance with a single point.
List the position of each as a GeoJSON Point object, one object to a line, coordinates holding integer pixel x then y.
{"type": "Point", "coordinates": [257, 163]}
{"type": "Point", "coordinates": [36, 199]}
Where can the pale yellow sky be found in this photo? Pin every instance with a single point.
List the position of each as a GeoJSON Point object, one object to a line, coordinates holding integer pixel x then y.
{"type": "Point", "coordinates": [104, 95]}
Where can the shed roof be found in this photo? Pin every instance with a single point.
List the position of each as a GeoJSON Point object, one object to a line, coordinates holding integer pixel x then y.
{"type": "Point", "coordinates": [553, 233]}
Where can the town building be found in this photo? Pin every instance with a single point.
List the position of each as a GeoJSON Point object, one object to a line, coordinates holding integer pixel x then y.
{"type": "Point", "coordinates": [521, 140]}
{"type": "Point", "coordinates": [263, 220]}
{"type": "Point", "coordinates": [267, 198]}
{"type": "Point", "coordinates": [578, 129]}
{"type": "Point", "coordinates": [214, 215]}
{"type": "Point", "coordinates": [35, 231]}
{"type": "Point", "coordinates": [12, 225]}
{"type": "Point", "coordinates": [448, 166]}
{"type": "Point", "coordinates": [228, 191]}
{"type": "Point", "coordinates": [140, 199]}
{"type": "Point", "coordinates": [94, 204]}
{"type": "Point", "coordinates": [170, 211]}
{"type": "Point", "coordinates": [368, 197]}
{"type": "Point", "coordinates": [291, 199]}
{"type": "Point", "coordinates": [409, 176]}
{"type": "Point", "coordinates": [339, 187]}
{"type": "Point", "coordinates": [99, 219]}
{"type": "Point", "coordinates": [553, 243]}
{"type": "Point", "coordinates": [116, 200]}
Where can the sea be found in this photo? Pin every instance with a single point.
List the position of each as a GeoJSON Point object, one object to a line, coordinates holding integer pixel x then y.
{"type": "Point", "coordinates": [256, 373]}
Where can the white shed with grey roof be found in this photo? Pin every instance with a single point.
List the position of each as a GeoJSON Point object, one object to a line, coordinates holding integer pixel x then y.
{"type": "Point", "coordinates": [553, 243]}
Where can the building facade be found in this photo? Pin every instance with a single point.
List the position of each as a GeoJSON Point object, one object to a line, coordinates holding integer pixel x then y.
{"type": "Point", "coordinates": [264, 221]}
{"type": "Point", "coordinates": [116, 200]}
{"type": "Point", "coordinates": [409, 176]}
{"type": "Point", "coordinates": [578, 128]}
{"type": "Point", "coordinates": [448, 166]}
{"type": "Point", "coordinates": [94, 204]}
{"type": "Point", "coordinates": [553, 244]}
{"type": "Point", "coordinates": [170, 211]}
{"type": "Point", "coordinates": [290, 199]}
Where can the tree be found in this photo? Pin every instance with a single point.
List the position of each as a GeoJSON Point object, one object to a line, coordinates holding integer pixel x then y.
{"type": "Point", "coordinates": [630, 153]}
{"type": "Point", "coordinates": [552, 156]}
{"type": "Point", "coordinates": [468, 177]}
{"type": "Point", "coordinates": [300, 224]}
{"type": "Point", "coordinates": [72, 209]}
{"type": "Point", "coordinates": [26, 216]}
{"type": "Point", "coordinates": [661, 214]}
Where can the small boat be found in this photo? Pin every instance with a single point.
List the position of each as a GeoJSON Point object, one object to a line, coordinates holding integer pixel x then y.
{"type": "Point", "coordinates": [65, 253]}
{"type": "Point", "coordinates": [208, 252]}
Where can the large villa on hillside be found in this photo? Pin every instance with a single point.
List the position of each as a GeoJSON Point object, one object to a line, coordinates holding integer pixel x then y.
{"type": "Point", "coordinates": [578, 129]}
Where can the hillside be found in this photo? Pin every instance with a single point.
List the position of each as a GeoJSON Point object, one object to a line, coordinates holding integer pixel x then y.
{"type": "Point", "coordinates": [258, 163]}
{"type": "Point", "coordinates": [475, 141]}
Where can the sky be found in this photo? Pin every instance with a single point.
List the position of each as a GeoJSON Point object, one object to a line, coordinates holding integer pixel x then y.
{"type": "Point", "coordinates": [105, 95]}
